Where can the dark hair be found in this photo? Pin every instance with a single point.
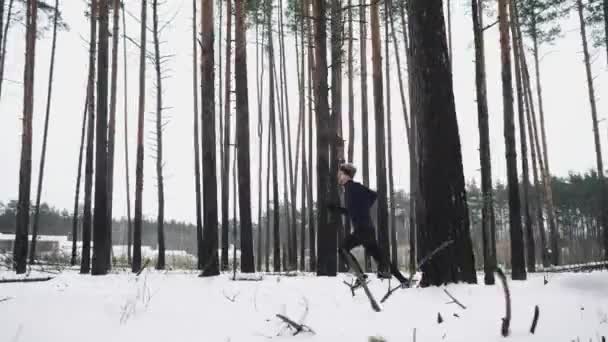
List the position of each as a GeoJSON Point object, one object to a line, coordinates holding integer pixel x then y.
{"type": "Point", "coordinates": [349, 169]}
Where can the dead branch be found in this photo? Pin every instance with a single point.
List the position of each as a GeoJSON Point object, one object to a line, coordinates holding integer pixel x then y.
{"type": "Point", "coordinates": [390, 292]}
{"type": "Point", "coordinates": [454, 300]}
{"type": "Point", "coordinates": [24, 280]}
{"type": "Point", "coordinates": [506, 321]}
{"type": "Point", "coordinates": [143, 268]}
{"type": "Point", "coordinates": [489, 26]}
{"type": "Point", "coordinates": [5, 299]}
{"type": "Point", "coordinates": [439, 318]}
{"type": "Point", "coordinates": [233, 298]}
{"type": "Point", "coordinates": [534, 320]}
{"type": "Point", "coordinates": [297, 327]}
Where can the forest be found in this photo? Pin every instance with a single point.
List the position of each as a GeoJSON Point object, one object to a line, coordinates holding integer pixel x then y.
{"type": "Point", "coordinates": [531, 219]}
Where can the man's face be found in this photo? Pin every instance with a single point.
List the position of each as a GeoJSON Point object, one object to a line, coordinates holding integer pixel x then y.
{"type": "Point", "coordinates": [342, 177]}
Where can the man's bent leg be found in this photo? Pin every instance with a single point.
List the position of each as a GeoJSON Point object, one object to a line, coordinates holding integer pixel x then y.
{"type": "Point", "coordinates": [351, 241]}
{"type": "Point", "coordinates": [382, 260]}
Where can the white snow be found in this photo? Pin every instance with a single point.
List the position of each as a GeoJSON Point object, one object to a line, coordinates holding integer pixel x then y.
{"type": "Point", "coordinates": [180, 306]}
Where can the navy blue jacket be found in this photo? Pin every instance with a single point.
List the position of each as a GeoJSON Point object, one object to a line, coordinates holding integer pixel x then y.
{"type": "Point", "coordinates": [358, 200]}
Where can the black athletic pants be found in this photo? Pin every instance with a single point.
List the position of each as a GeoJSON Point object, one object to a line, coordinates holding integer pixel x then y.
{"type": "Point", "coordinates": [366, 238]}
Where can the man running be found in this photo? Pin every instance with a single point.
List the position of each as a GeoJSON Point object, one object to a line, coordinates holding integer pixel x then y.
{"type": "Point", "coordinates": [358, 200]}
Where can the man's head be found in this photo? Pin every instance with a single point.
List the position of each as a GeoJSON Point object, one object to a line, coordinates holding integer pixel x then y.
{"type": "Point", "coordinates": [346, 172]}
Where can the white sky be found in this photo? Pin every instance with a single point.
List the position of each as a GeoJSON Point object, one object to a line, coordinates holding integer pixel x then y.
{"type": "Point", "coordinates": [568, 119]}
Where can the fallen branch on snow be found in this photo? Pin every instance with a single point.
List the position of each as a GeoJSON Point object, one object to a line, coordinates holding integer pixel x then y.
{"type": "Point", "coordinates": [24, 280]}
{"type": "Point", "coordinates": [143, 267]}
{"type": "Point", "coordinates": [5, 299]}
{"type": "Point", "coordinates": [454, 300]}
{"type": "Point", "coordinates": [233, 298]}
{"type": "Point", "coordinates": [534, 320]}
{"type": "Point", "coordinates": [389, 292]}
{"type": "Point", "coordinates": [296, 326]}
{"type": "Point", "coordinates": [506, 321]}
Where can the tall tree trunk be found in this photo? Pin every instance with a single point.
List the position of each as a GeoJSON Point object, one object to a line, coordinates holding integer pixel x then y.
{"type": "Point", "coordinates": [100, 216]}
{"type": "Point", "coordinates": [85, 262]}
{"type": "Point", "coordinates": [364, 105]}
{"type": "Point", "coordinates": [45, 134]}
{"type": "Point", "coordinates": [77, 194]}
{"type": "Point", "coordinates": [139, 167]}
{"type": "Point", "coordinates": [442, 208]}
{"type": "Point", "coordinates": [276, 254]}
{"type": "Point", "coordinates": [125, 100]}
{"type": "Point", "coordinates": [451, 51]}
{"type": "Point", "coordinates": [302, 79]}
{"type": "Point", "coordinates": [268, 170]}
{"type": "Point", "coordinates": [488, 224]}
{"type": "Point", "coordinates": [605, 11]}
{"type": "Point", "coordinates": [3, 41]}
{"type": "Point", "coordinates": [389, 128]}
{"type": "Point", "coordinates": [226, 148]}
{"type": "Point", "coordinates": [517, 243]}
{"type": "Point", "coordinates": [234, 210]}
{"type": "Point", "coordinates": [351, 105]}
{"type": "Point", "coordinates": [259, 89]}
{"type": "Point", "coordinates": [555, 252]}
{"type": "Point", "coordinates": [197, 163]}
{"type": "Point", "coordinates": [530, 249]}
{"type": "Point", "coordinates": [25, 170]}
{"type": "Point", "coordinates": [383, 237]}
{"type": "Point", "coordinates": [336, 141]}
{"type": "Point", "coordinates": [242, 129]}
{"type": "Point", "coordinates": [326, 265]}
{"type": "Point", "coordinates": [210, 238]}
{"type": "Point", "coordinates": [292, 242]}
{"type": "Point", "coordinates": [413, 150]}
{"type": "Point", "coordinates": [312, 236]}
{"type": "Point", "coordinates": [160, 263]}
{"type": "Point", "coordinates": [596, 135]}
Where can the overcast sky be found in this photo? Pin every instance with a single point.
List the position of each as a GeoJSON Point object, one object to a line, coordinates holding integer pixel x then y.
{"type": "Point", "coordinates": [568, 119]}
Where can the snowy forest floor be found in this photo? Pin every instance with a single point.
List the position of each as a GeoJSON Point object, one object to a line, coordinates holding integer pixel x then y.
{"type": "Point", "coordinates": [179, 306]}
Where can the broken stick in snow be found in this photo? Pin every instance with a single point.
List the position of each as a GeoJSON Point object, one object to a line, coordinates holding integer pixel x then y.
{"type": "Point", "coordinates": [5, 299]}
{"type": "Point", "coordinates": [506, 321]}
{"type": "Point", "coordinates": [297, 327]}
{"type": "Point", "coordinates": [534, 320]}
{"type": "Point", "coordinates": [454, 300]}
{"type": "Point", "coordinates": [24, 280]}
{"type": "Point", "coordinates": [143, 267]}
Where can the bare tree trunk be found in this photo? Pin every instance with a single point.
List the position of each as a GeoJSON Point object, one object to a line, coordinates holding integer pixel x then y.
{"type": "Point", "coordinates": [77, 194]}
{"type": "Point", "coordinates": [197, 162]}
{"type": "Point", "coordinates": [3, 41]}
{"type": "Point", "coordinates": [234, 211]}
{"type": "Point", "coordinates": [383, 236]}
{"type": "Point", "coordinates": [25, 170]}
{"type": "Point", "coordinates": [389, 128]}
{"type": "Point", "coordinates": [226, 147]}
{"type": "Point", "coordinates": [268, 170]}
{"type": "Point", "coordinates": [85, 262]}
{"type": "Point", "coordinates": [351, 105]}
{"type": "Point", "coordinates": [46, 129]}
{"type": "Point", "coordinates": [487, 212]}
{"type": "Point", "coordinates": [517, 245]}
{"type": "Point", "coordinates": [210, 238]}
{"type": "Point", "coordinates": [530, 249]}
{"type": "Point", "coordinates": [449, 6]}
{"type": "Point", "coordinates": [125, 100]}
{"type": "Point", "coordinates": [160, 263]}
{"type": "Point", "coordinates": [546, 173]}
{"type": "Point", "coordinates": [139, 167]}
{"type": "Point", "coordinates": [312, 236]}
{"type": "Point", "coordinates": [242, 134]}
{"type": "Point", "coordinates": [411, 131]}
{"type": "Point", "coordinates": [327, 262]}
{"type": "Point", "coordinates": [302, 84]}
{"type": "Point", "coordinates": [596, 134]}
{"type": "Point", "coordinates": [259, 89]}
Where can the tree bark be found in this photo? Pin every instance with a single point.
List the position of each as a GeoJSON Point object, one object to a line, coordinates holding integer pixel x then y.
{"type": "Point", "coordinates": [125, 100]}
{"type": "Point", "coordinates": [312, 236]}
{"type": "Point", "coordinates": [85, 262]}
{"type": "Point", "coordinates": [442, 208]}
{"type": "Point", "coordinates": [517, 244]}
{"type": "Point", "coordinates": [45, 134]}
{"type": "Point", "coordinates": [383, 236]}
{"type": "Point", "coordinates": [351, 105]}
{"type": "Point", "coordinates": [260, 131]}
{"type": "Point", "coordinates": [487, 212]}
{"type": "Point", "coordinates": [226, 147]}
{"type": "Point", "coordinates": [210, 238]}
{"type": "Point", "coordinates": [139, 167]}
{"type": "Point", "coordinates": [112, 123]}
{"type": "Point", "coordinates": [25, 170]}
{"type": "Point", "coordinates": [3, 42]}
{"type": "Point", "coordinates": [304, 166]}
{"type": "Point", "coordinates": [530, 249]}
{"type": "Point", "coordinates": [160, 263]}
{"type": "Point", "coordinates": [327, 262]}
{"type": "Point", "coordinates": [242, 128]}
{"type": "Point", "coordinates": [596, 135]}
{"type": "Point", "coordinates": [393, 219]}
{"type": "Point", "coordinates": [197, 163]}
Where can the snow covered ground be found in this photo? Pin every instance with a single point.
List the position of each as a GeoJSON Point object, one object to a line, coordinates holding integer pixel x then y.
{"type": "Point", "coordinates": [179, 306]}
